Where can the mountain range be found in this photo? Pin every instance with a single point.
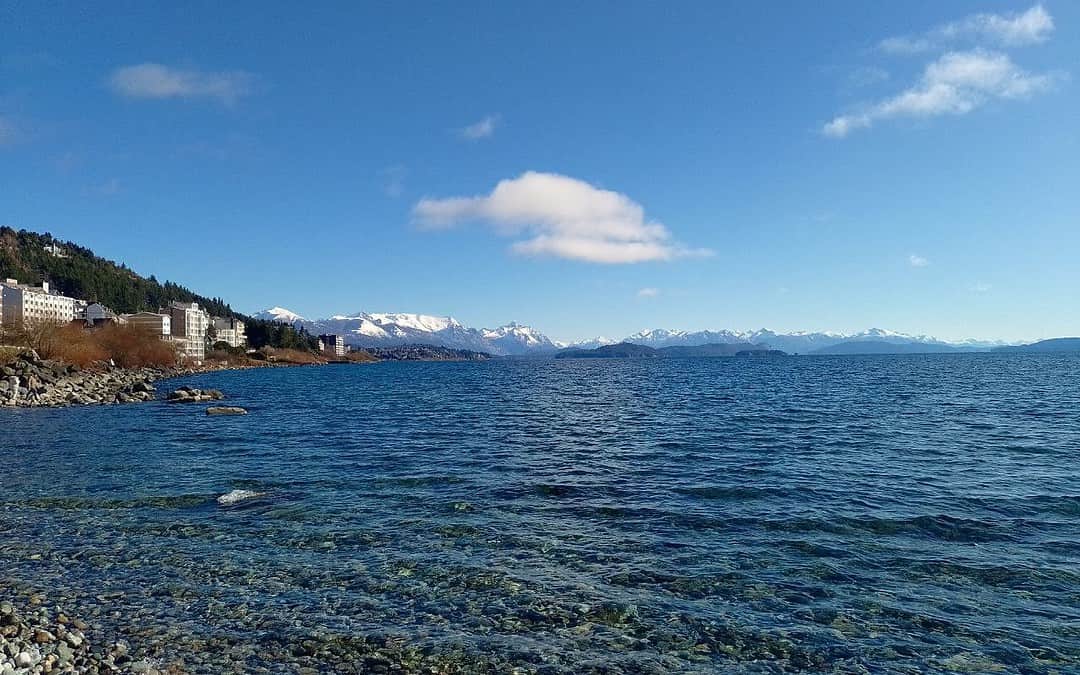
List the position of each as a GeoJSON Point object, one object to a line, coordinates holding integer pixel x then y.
{"type": "Point", "coordinates": [363, 329]}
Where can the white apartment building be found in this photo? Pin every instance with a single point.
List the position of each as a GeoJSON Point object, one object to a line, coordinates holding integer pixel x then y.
{"type": "Point", "coordinates": [189, 324]}
{"type": "Point", "coordinates": [229, 331]}
{"type": "Point", "coordinates": [158, 324]}
{"type": "Point", "coordinates": [332, 344]}
{"type": "Point", "coordinates": [24, 304]}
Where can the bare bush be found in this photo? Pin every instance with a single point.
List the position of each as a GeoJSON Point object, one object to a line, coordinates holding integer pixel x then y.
{"type": "Point", "coordinates": [133, 347]}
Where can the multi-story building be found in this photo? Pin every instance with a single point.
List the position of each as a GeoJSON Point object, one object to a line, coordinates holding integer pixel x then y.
{"type": "Point", "coordinates": [97, 314]}
{"type": "Point", "coordinates": [158, 324]}
{"type": "Point", "coordinates": [189, 324]}
{"type": "Point", "coordinates": [24, 304]}
{"type": "Point", "coordinates": [230, 331]}
{"type": "Point", "coordinates": [332, 344]}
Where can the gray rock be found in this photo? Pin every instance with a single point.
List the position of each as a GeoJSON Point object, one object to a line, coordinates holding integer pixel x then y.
{"type": "Point", "coordinates": [65, 653]}
{"type": "Point", "coordinates": [226, 410]}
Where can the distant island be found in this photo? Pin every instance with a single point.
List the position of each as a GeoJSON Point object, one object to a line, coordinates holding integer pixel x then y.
{"type": "Point", "coordinates": [629, 350]}
{"type": "Point", "coordinates": [883, 347]}
{"type": "Point", "coordinates": [421, 352]}
{"type": "Point", "coordinates": [1064, 344]}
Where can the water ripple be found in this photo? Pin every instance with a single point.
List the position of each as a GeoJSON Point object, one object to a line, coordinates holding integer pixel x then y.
{"type": "Point", "coordinates": [871, 514]}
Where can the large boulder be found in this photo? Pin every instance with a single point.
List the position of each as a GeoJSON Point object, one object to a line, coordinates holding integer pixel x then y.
{"type": "Point", "coordinates": [226, 410]}
{"type": "Point", "coordinates": [193, 395]}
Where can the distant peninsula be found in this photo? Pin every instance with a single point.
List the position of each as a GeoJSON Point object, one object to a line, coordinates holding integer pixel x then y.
{"type": "Point", "coordinates": [629, 350]}
{"type": "Point", "coordinates": [1065, 344]}
{"type": "Point", "coordinates": [883, 347]}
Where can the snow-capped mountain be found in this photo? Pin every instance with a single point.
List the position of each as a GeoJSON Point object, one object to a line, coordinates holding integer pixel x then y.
{"type": "Point", "coordinates": [366, 329]}
{"type": "Point", "coordinates": [799, 342]}
{"type": "Point", "coordinates": [279, 314]}
{"type": "Point", "coordinates": [517, 339]}
{"type": "Point", "coordinates": [592, 343]}
{"type": "Point", "coordinates": [660, 337]}
{"type": "Point", "coordinates": [363, 329]}
{"type": "Point", "coordinates": [373, 329]}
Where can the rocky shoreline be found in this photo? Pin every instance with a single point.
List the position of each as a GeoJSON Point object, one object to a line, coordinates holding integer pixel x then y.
{"type": "Point", "coordinates": [32, 382]}
{"type": "Point", "coordinates": [40, 639]}
{"type": "Point", "coordinates": [29, 381]}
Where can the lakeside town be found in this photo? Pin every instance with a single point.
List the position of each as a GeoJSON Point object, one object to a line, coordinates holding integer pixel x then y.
{"type": "Point", "coordinates": [69, 348]}
{"type": "Point", "coordinates": [63, 342]}
{"type": "Point", "coordinates": [189, 328]}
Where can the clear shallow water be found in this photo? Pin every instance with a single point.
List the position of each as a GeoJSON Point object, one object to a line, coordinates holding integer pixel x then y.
{"type": "Point", "coordinates": [905, 514]}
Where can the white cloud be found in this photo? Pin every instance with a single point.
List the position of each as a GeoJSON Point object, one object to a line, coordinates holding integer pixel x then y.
{"type": "Point", "coordinates": [485, 128]}
{"type": "Point", "coordinates": [156, 81]}
{"type": "Point", "coordinates": [955, 84]}
{"type": "Point", "coordinates": [980, 287]}
{"type": "Point", "coordinates": [646, 293]}
{"type": "Point", "coordinates": [562, 217]}
{"type": "Point", "coordinates": [918, 261]}
{"type": "Point", "coordinates": [394, 180]}
{"type": "Point", "coordinates": [1007, 30]}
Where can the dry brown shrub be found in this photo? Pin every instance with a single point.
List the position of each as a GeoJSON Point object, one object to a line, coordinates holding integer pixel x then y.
{"type": "Point", "coordinates": [127, 346]}
{"type": "Point", "coordinates": [222, 356]}
{"type": "Point", "coordinates": [44, 337]}
{"type": "Point", "coordinates": [359, 356]}
{"type": "Point", "coordinates": [8, 355]}
{"type": "Point", "coordinates": [291, 356]}
{"type": "Point", "coordinates": [77, 346]}
{"type": "Point", "coordinates": [134, 347]}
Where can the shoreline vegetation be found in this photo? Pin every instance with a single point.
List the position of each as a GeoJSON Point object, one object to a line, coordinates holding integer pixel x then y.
{"type": "Point", "coordinates": [61, 366]}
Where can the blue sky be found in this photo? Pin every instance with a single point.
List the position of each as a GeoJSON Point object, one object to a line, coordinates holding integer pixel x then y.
{"type": "Point", "coordinates": [588, 170]}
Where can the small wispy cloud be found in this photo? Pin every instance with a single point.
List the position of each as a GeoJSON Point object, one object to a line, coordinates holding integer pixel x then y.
{"type": "Point", "coordinates": [980, 287]}
{"type": "Point", "coordinates": [7, 131]}
{"type": "Point", "coordinates": [27, 61]}
{"type": "Point", "coordinates": [157, 81]}
{"type": "Point", "coordinates": [918, 261]}
{"type": "Point", "coordinates": [561, 217]}
{"type": "Point", "coordinates": [393, 180]}
{"type": "Point", "coordinates": [66, 162]}
{"type": "Point", "coordinates": [954, 84]}
{"type": "Point", "coordinates": [109, 188]}
{"type": "Point", "coordinates": [648, 292]}
{"type": "Point", "coordinates": [864, 76]}
{"type": "Point", "coordinates": [1005, 30]}
{"type": "Point", "coordinates": [485, 128]}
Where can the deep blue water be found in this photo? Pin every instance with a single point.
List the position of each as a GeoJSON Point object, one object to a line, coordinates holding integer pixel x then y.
{"type": "Point", "coordinates": [850, 514]}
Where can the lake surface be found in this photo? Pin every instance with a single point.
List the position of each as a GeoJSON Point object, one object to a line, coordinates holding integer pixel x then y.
{"type": "Point", "coordinates": [849, 514]}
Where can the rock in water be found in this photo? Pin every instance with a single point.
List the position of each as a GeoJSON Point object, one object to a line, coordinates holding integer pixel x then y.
{"type": "Point", "coordinates": [235, 496]}
{"type": "Point", "coordinates": [193, 395]}
{"type": "Point", "coordinates": [225, 410]}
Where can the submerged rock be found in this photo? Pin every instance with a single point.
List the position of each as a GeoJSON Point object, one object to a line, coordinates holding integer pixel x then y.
{"type": "Point", "coordinates": [237, 496]}
{"type": "Point", "coordinates": [226, 410]}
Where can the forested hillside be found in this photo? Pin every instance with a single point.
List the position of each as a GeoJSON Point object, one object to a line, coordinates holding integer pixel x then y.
{"type": "Point", "coordinates": [77, 272]}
